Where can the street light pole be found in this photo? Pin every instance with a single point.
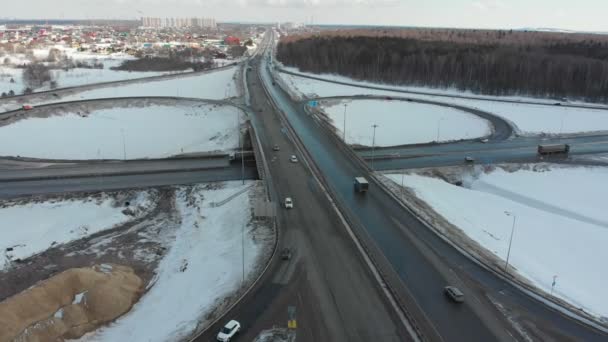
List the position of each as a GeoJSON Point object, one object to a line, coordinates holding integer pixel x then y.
{"type": "Point", "coordinates": [373, 144]}
{"type": "Point", "coordinates": [344, 127]}
{"type": "Point", "coordinates": [438, 128]}
{"type": "Point", "coordinates": [238, 132]}
{"type": "Point", "coordinates": [124, 145]}
{"type": "Point", "coordinates": [508, 213]}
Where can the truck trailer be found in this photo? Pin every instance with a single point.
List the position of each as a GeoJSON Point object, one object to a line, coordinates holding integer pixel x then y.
{"type": "Point", "coordinates": [361, 184]}
{"type": "Point", "coordinates": [553, 149]}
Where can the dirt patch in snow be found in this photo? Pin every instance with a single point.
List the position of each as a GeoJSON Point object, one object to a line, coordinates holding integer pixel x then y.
{"type": "Point", "coordinates": [69, 304]}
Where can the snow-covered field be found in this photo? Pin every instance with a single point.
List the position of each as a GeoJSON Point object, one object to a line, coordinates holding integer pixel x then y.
{"type": "Point", "coordinates": [561, 225]}
{"type": "Point", "coordinates": [201, 268]}
{"type": "Point", "coordinates": [70, 78]}
{"type": "Point", "coordinates": [33, 227]}
{"type": "Point", "coordinates": [155, 131]}
{"type": "Point", "coordinates": [401, 123]}
{"type": "Point", "coordinates": [528, 119]}
{"type": "Point", "coordinates": [214, 85]}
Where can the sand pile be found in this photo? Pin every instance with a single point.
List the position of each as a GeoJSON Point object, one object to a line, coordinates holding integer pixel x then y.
{"type": "Point", "coordinates": [69, 304]}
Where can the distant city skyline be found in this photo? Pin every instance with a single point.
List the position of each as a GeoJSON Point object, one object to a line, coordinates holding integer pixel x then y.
{"type": "Point", "coordinates": [582, 15]}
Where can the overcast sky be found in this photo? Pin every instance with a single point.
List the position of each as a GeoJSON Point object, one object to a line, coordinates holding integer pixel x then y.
{"type": "Point", "coordinates": [587, 15]}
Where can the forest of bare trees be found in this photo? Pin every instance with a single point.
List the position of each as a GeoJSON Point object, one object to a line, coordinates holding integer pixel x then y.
{"type": "Point", "coordinates": [484, 62]}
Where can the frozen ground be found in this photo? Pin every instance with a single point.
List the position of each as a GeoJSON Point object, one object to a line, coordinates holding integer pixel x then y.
{"type": "Point", "coordinates": [401, 123]}
{"type": "Point", "coordinates": [156, 131]}
{"type": "Point", "coordinates": [561, 225]}
{"type": "Point", "coordinates": [200, 270]}
{"type": "Point", "coordinates": [528, 119]}
{"type": "Point", "coordinates": [213, 85]}
{"type": "Point", "coordinates": [29, 228]}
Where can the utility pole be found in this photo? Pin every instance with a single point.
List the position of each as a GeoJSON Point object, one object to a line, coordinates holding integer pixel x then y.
{"type": "Point", "coordinates": [508, 213]}
{"type": "Point", "coordinates": [373, 144]}
{"type": "Point", "coordinates": [553, 284]}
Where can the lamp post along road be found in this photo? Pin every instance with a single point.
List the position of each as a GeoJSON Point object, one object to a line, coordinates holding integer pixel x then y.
{"type": "Point", "coordinates": [373, 144]}
{"type": "Point", "coordinates": [344, 126]}
{"type": "Point", "coordinates": [508, 213]}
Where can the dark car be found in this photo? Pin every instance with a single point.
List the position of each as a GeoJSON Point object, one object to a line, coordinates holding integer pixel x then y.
{"type": "Point", "coordinates": [286, 254]}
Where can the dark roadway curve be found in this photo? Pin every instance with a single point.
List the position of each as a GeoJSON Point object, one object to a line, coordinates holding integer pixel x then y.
{"type": "Point", "coordinates": [501, 129]}
{"type": "Point", "coordinates": [424, 261]}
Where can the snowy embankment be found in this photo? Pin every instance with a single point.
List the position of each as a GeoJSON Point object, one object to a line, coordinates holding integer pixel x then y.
{"type": "Point", "coordinates": [71, 77]}
{"type": "Point", "coordinates": [155, 131]}
{"type": "Point", "coordinates": [561, 225]}
{"type": "Point", "coordinates": [29, 228]}
{"type": "Point", "coordinates": [213, 85]}
{"type": "Point", "coordinates": [528, 119]}
{"type": "Point", "coordinates": [401, 123]}
{"type": "Point", "coordinates": [202, 268]}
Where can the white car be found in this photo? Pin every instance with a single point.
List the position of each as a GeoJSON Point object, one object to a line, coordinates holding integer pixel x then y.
{"type": "Point", "coordinates": [293, 158]}
{"type": "Point", "coordinates": [228, 331]}
{"type": "Point", "coordinates": [288, 203]}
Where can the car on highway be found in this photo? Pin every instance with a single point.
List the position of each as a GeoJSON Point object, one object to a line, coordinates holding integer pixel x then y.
{"type": "Point", "coordinates": [293, 158]}
{"type": "Point", "coordinates": [228, 331]}
{"type": "Point", "coordinates": [27, 107]}
{"type": "Point", "coordinates": [288, 203]}
{"type": "Point", "coordinates": [469, 159]}
{"type": "Point", "coordinates": [286, 253]}
{"type": "Point", "coordinates": [454, 294]}
{"type": "Point", "coordinates": [276, 148]}
{"type": "Point", "coordinates": [484, 140]}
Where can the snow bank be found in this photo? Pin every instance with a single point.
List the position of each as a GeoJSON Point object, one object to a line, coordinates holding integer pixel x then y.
{"type": "Point", "coordinates": [215, 85]}
{"type": "Point", "coordinates": [32, 228]}
{"type": "Point", "coordinates": [69, 78]}
{"type": "Point", "coordinates": [561, 225]}
{"type": "Point", "coordinates": [202, 268]}
{"type": "Point", "coordinates": [401, 123]}
{"type": "Point", "coordinates": [131, 133]}
{"type": "Point", "coordinates": [528, 119]}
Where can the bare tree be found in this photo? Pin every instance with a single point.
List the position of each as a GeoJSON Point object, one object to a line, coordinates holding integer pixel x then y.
{"type": "Point", "coordinates": [35, 75]}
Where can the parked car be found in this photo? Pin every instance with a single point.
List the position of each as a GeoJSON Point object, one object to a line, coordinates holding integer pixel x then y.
{"type": "Point", "coordinates": [275, 148]}
{"type": "Point", "coordinates": [286, 254]}
{"type": "Point", "coordinates": [484, 140]}
{"type": "Point", "coordinates": [27, 107]}
{"type": "Point", "coordinates": [228, 331]}
{"type": "Point", "coordinates": [288, 203]}
{"type": "Point", "coordinates": [469, 159]}
{"type": "Point", "coordinates": [454, 294]}
{"type": "Point", "coordinates": [293, 158]}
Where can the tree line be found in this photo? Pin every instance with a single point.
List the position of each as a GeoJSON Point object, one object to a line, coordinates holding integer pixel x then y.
{"type": "Point", "coordinates": [483, 63]}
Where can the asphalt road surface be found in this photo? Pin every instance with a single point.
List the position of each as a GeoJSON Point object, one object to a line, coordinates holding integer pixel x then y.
{"type": "Point", "coordinates": [335, 296]}
{"type": "Point", "coordinates": [134, 167]}
{"type": "Point", "coordinates": [426, 263]}
{"type": "Point", "coordinates": [66, 185]}
{"type": "Point", "coordinates": [522, 149]}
